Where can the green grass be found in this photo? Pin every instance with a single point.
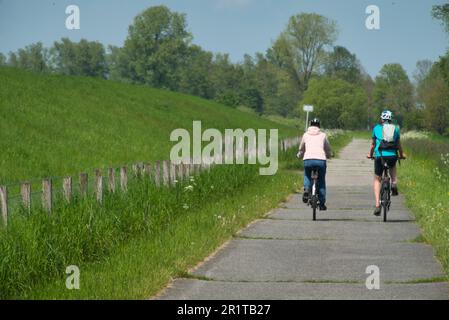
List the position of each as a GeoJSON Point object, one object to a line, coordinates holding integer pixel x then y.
{"type": "Point", "coordinates": [54, 125]}
{"type": "Point", "coordinates": [140, 268]}
{"type": "Point", "coordinates": [424, 178]}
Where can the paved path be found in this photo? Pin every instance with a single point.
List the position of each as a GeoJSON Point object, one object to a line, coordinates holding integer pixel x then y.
{"type": "Point", "coordinates": [288, 256]}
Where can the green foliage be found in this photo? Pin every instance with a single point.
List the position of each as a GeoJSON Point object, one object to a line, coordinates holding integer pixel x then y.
{"type": "Point", "coordinates": [85, 58]}
{"type": "Point", "coordinates": [33, 57]}
{"type": "Point", "coordinates": [308, 34]}
{"type": "Point", "coordinates": [2, 59]}
{"type": "Point", "coordinates": [342, 64]}
{"type": "Point", "coordinates": [337, 103]}
{"type": "Point", "coordinates": [433, 93]}
{"type": "Point", "coordinates": [393, 91]}
{"type": "Point", "coordinates": [441, 12]}
{"type": "Point", "coordinates": [53, 125]}
{"type": "Point", "coordinates": [155, 48]}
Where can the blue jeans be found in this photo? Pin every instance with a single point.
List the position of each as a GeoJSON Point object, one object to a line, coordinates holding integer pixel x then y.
{"type": "Point", "coordinates": [321, 165]}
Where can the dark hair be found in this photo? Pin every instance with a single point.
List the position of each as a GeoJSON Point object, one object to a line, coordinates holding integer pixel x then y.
{"type": "Point", "coordinates": [315, 123]}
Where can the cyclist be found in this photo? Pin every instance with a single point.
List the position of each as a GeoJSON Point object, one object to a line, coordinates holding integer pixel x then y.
{"type": "Point", "coordinates": [386, 144]}
{"type": "Point", "coordinates": [315, 150]}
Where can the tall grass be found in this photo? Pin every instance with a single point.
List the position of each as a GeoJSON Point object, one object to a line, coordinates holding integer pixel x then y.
{"type": "Point", "coordinates": [425, 181]}
{"type": "Point", "coordinates": [36, 247]}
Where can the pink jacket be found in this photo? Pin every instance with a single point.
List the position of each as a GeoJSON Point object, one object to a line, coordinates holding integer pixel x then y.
{"type": "Point", "coordinates": [314, 145]}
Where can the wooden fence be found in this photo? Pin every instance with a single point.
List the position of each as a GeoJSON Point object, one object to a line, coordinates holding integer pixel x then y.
{"type": "Point", "coordinates": [161, 172]}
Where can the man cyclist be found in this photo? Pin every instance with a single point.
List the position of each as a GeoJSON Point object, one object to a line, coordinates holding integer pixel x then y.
{"type": "Point", "coordinates": [386, 144]}
{"type": "Point", "coordinates": [315, 150]}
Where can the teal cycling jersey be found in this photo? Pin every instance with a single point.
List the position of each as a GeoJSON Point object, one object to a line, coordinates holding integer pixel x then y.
{"type": "Point", "coordinates": [377, 138]}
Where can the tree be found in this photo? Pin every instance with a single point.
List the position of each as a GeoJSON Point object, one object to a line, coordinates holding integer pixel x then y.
{"type": "Point", "coordinates": [12, 60]}
{"type": "Point", "coordinates": [344, 65]}
{"type": "Point", "coordinates": [156, 47]}
{"type": "Point", "coordinates": [86, 58]}
{"type": "Point", "coordinates": [196, 72]}
{"type": "Point", "coordinates": [338, 103]}
{"type": "Point", "coordinates": [33, 57]}
{"type": "Point", "coordinates": [2, 59]}
{"type": "Point", "coordinates": [225, 79]}
{"type": "Point", "coordinates": [278, 90]}
{"type": "Point", "coordinates": [441, 12]}
{"type": "Point", "coordinates": [305, 40]}
{"type": "Point", "coordinates": [423, 68]}
{"type": "Point", "coordinates": [433, 93]}
{"type": "Point", "coordinates": [394, 91]}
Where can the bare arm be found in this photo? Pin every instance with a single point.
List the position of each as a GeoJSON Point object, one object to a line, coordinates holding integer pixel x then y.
{"type": "Point", "coordinates": [302, 149]}
{"type": "Point", "coordinates": [371, 151]}
{"type": "Point", "coordinates": [401, 151]}
{"type": "Point", "coordinates": [327, 148]}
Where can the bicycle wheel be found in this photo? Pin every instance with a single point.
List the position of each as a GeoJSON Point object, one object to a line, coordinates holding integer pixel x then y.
{"type": "Point", "coordinates": [385, 201]}
{"type": "Point", "coordinates": [314, 206]}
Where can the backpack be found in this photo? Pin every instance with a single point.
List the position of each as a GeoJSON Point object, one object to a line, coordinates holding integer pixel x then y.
{"type": "Point", "coordinates": [388, 141]}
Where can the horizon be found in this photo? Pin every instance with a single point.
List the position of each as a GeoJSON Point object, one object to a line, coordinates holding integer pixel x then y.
{"type": "Point", "coordinates": [256, 24]}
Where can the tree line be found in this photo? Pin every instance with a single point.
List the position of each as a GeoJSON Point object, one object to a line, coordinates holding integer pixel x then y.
{"type": "Point", "coordinates": [303, 66]}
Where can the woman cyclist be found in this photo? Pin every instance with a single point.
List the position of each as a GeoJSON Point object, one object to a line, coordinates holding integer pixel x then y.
{"type": "Point", "coordinates": [315, 150]}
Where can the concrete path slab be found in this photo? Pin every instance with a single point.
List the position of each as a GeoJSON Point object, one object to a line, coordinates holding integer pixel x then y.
{"type": "Point", "coordinates": [289, 256]}
{"type": "Point", "coordinates": [188, 289]}
{"type": "Point", "coordinates": [332, 230]}
{"type": "Point", "coordinates": [319, 260]}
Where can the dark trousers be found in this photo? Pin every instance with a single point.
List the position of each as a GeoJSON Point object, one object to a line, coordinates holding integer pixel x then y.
{"type": "Point", "coordinates": [321, 165]}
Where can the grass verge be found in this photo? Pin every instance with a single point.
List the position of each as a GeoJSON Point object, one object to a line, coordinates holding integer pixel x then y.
{"type": "Point", "coordinates": [424, 179]}
{"type": "Point", "coordinates": [140, 268]}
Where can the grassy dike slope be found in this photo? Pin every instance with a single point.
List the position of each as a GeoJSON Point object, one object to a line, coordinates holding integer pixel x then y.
{"type": "Point", "coordinates": [52, 125]}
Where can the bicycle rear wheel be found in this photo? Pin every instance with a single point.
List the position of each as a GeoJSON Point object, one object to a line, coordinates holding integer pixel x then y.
{"type": "Point", "coordinates": [314, 206]}
{"type": "Point", "coordinates": [385, 201]}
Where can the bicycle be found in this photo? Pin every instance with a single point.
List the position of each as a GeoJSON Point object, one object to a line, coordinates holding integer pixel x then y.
{"type": "Point", "coordinates": [386, 187]}
{"type": "Point", "coordinates": [314, 198]}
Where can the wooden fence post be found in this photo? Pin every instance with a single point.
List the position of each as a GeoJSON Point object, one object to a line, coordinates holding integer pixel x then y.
{"type": "Point", "coordinates": [99, 186]}
{"type": "Point", "coordinates": [180, 172]}
{"type": "Point", "coordinates": [111, 180]}
{"type": "Point", "coordinates": [4, 204]}
{"type": "Point", "coordinates": [83, 184]}
{"type": "Point", "coordinates": [165, 173]}
{"type": "Point", "coordinates": [25, 192]}
{"type": "Point", "coordinates": [173, 176]}
{"type": "Point", "coordinates": [47, 195]}
{"type": "Point", "coordinates": [147, 169]}
{"type": "Point", "coordinates": [157, 174]}
{"type": "Point", "coordinates": [67, 188]}
{"type": "Point", "coordinates": [124, 179]}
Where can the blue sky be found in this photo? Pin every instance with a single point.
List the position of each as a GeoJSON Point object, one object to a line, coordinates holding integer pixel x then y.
{"type": "Point", "coordinates": [408, 33]}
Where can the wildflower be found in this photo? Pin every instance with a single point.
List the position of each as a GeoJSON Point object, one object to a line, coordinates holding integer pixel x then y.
{"type": "Point", "coordinates": [189, 188]}
{"type": "Point", "coordinates": [185, 206]}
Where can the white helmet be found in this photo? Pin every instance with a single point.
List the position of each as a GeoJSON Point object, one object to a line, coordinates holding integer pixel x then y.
{"type": "Point", "coordinates": [387, 115]}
